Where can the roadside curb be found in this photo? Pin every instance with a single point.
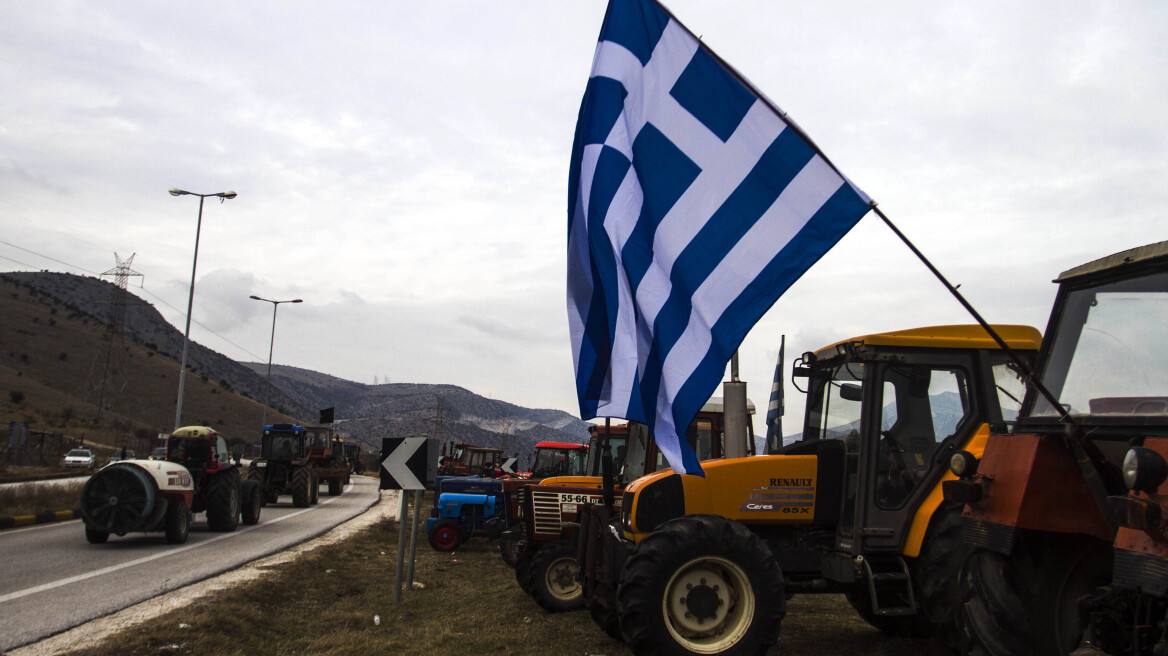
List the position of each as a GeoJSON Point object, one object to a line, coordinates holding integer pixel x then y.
{"type": "Point", "coordinates": [40, 518]}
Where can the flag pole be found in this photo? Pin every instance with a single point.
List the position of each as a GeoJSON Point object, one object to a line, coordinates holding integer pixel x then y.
{"type": "Point", "coordinates": [1076, 438]}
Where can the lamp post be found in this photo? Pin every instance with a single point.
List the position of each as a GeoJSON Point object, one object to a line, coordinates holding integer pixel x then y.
{"type": "Point", "coordinates": [182, 372]}
{"type": "Point", "coordinates": [268, 386]}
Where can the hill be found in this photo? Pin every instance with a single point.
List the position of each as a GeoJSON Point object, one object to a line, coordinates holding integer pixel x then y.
{"type": "Point", "coordinates": [74, 374]}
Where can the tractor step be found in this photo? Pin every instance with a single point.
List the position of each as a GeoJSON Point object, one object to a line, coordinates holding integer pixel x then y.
{"type": "Point", "coordinates": [890, 587]}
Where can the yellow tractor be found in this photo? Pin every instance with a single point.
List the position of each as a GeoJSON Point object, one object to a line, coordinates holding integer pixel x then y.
{"type": "Point", "coordinates": [704, 564]}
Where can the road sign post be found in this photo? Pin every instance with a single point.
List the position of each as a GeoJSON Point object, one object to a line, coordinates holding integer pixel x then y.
{"type": "Point", "coordinates": [409, 464]}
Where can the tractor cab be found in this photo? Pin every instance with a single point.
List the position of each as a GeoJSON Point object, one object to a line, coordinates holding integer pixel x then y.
{"type": "Point", "coordinates": [283, 443]}
{"type": "Point", "coordinates": [559, 459]}
{"type": "Point", "coordinates": [199, 449]}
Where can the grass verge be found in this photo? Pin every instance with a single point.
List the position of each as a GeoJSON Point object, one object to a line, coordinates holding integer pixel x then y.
{"type": "Point", "coordinates": [33, 498]}
{"type": "Point", "coordinates": [324, 604]}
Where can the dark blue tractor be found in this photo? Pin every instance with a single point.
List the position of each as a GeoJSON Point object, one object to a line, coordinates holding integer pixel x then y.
{"type": "Point", "coordinates": [462, 508]}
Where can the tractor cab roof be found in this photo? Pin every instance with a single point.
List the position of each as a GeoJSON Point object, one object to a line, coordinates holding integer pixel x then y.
{"type": "Point", "coordinates": [964, 336]}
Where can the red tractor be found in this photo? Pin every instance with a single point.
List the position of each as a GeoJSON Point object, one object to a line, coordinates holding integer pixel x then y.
{"type": "Point", "coordinates": [1066, 512]}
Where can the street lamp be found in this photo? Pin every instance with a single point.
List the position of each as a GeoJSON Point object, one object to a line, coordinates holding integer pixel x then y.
{"type": "Point", "coordinates": [268, 386]}
{"type": "Point", "coordinates": [182, 372]}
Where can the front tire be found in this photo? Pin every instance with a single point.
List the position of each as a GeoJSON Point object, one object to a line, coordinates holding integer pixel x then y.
{"type": "Point", "coordinates": [444, 536]}
{"type": "Point", "coordinates": [301, 487]}
{"type": "Point", "coordinates": [253, 501]}
{"type": "Point", "coordinates": [553, 582]}
{"type": "Point", "coordinates": [1027, 603]}
{"type": "Point", "coordinates": [701, 584]}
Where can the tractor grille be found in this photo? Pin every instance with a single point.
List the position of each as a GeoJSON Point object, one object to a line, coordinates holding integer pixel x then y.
{"type": "Point", "coordinates": [546, 512]}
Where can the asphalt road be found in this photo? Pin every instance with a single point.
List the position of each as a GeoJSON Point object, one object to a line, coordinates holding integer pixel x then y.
{"type": "Point", "coordinates": [51, 579]}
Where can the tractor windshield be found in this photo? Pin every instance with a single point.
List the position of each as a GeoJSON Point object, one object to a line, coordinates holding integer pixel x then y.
{"type": "Point", "coordinates": [283, 447]}
{"type": "Point", "coordinates": [557, 462]}
{"type": "Point", "coordinates": [186, 450]}
{"type": "Point", "coordinates": [1106, 358]}
{"type": "Point", "coordinates": [617, 444]}
{"type": "Point", "coordinates": [833, 404]}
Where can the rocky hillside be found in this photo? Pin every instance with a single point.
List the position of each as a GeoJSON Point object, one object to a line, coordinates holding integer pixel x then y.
{"type": "Point", "coordinates": [367, 413]}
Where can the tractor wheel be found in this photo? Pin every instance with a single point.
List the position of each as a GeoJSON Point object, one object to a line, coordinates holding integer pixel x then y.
{"type": "Point", "coordinates": [301, 487]}
{"type": "Point", "coordinates": [178, 522]}
{"type": "Point", "coordinates": [937, 571]}
{"type": "Point", "coordinates": [701, 584]}
{"type": "Point", "coordinates": [935, 579]}
{"type": "Point", "coordinates": [334, 487]}
{"type": "Point", "coordinates": [95, 537]}
{"type": "Point", "coordinates": [523, 570]}
{"type": "Point", "coordinates": [314, 488]}
{"type": "Point", "coordinates": [253, 500]}
{"type": "Point", "coordinates": [1027, 602]}
{"type": "Point", "coordinates": [254, 473]}
{"type": "Point", "coordinates": [553, 578]}
{"type": "Point", "coordinates": [444, 536]}
{"type": "Point", "coordinates": [607, 619]}
{"type": "Point", "coordinates": [223, 501]}
{"type": "Point", "coordinates": [510, 546]}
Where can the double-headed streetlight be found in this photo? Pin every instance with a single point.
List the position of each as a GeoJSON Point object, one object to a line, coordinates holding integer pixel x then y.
{"type": "Point", "coordinates": [268, 387]}
{"type": "Point", "coordinates": [182, 372]}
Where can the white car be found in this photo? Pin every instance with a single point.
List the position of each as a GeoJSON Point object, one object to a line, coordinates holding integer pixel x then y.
{"type": "Point", "coordinates": [80, 458]}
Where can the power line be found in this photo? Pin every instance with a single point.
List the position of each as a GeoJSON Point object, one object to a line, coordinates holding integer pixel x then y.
{"type": "Point", "coordinates": [182, 315]}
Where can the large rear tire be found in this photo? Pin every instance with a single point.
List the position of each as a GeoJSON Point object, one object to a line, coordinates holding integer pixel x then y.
{"type": "Point", "coordinates": [1027, 603]}
{"type": "Point", "coordinates": [223, 501]}
{"type": "Point", "coordinates": [552, 576]}
{"type": "Point", "coordinates": [301, 487]}
{"type": "Point", "coordinates": [701, 584]}
{"type": "Point", "coordinates": [178, 522]}
{"type": "Point", "coordinates": [334, 487]}
{"type": "Point", "coordinates": [315, 489]}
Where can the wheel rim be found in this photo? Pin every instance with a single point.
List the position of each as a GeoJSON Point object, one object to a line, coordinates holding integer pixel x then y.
{"type": "Point", "coordinates": [708, 604]}
{"type": "Point", "coordinates": [445, 537]}
{"type": "Point", "coordinates": [561, 579]}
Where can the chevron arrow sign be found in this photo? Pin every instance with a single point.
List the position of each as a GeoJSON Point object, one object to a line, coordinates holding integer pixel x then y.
{"type": "Point", "coordinates": [408, 463]}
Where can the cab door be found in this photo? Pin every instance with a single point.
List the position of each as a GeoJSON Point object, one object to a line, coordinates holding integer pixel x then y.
{"type": "Point", "coordinates": [916, 412]}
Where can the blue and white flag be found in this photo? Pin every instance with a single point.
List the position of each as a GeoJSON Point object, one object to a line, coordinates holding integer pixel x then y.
{"type": "Point", "coordinates": [692, 206]}
{"type": "Point", "coordinates": [776, 409]}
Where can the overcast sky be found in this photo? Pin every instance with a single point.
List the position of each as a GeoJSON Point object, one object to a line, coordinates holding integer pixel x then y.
{"type": "Point", "coordinates": [402, 167]}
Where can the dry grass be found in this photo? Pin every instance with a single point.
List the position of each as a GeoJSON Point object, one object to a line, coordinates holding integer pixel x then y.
{"type": "Point", "coordinates": [324, 604]}
{"type": "Point", "coordinates": [38, 497]}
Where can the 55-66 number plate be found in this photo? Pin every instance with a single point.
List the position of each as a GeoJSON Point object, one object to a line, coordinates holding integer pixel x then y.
{"type": "Point", "coordinates": [566, 497]}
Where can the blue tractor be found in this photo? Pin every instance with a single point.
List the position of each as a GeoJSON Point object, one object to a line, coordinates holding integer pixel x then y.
{"type": "Point", "coordinates": [463, 506]}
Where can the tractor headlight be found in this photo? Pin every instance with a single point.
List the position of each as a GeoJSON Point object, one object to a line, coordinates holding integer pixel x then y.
{"type": "Point", "coordinates": [963, 464]}
{"type": "Point", "coordinates": [1143, 469]}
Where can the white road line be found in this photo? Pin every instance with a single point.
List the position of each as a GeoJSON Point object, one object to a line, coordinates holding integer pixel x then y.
{"type": "Point", "coordinates": [162, 554]}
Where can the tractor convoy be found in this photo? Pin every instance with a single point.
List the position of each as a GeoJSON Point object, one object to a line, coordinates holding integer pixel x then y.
{"type": "Point", "coordinates": [1002, 491]}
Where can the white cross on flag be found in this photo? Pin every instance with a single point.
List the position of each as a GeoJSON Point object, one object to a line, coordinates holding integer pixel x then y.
{"type": "Point", "coordinates": [692, 206]}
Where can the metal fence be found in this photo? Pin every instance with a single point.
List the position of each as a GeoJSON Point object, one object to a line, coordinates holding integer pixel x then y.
{"type": "Point", "coordinates": [33, 448]}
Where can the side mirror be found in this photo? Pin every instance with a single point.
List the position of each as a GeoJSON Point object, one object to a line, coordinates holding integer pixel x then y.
{"type": "Point", "coordinates": [851, 392]}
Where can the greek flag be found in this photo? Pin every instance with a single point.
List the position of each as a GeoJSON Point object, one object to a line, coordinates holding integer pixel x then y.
{"type": "Point", "coordinates": [693, 204]}
{"type": "Point", "coordinates": [776, 409]}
